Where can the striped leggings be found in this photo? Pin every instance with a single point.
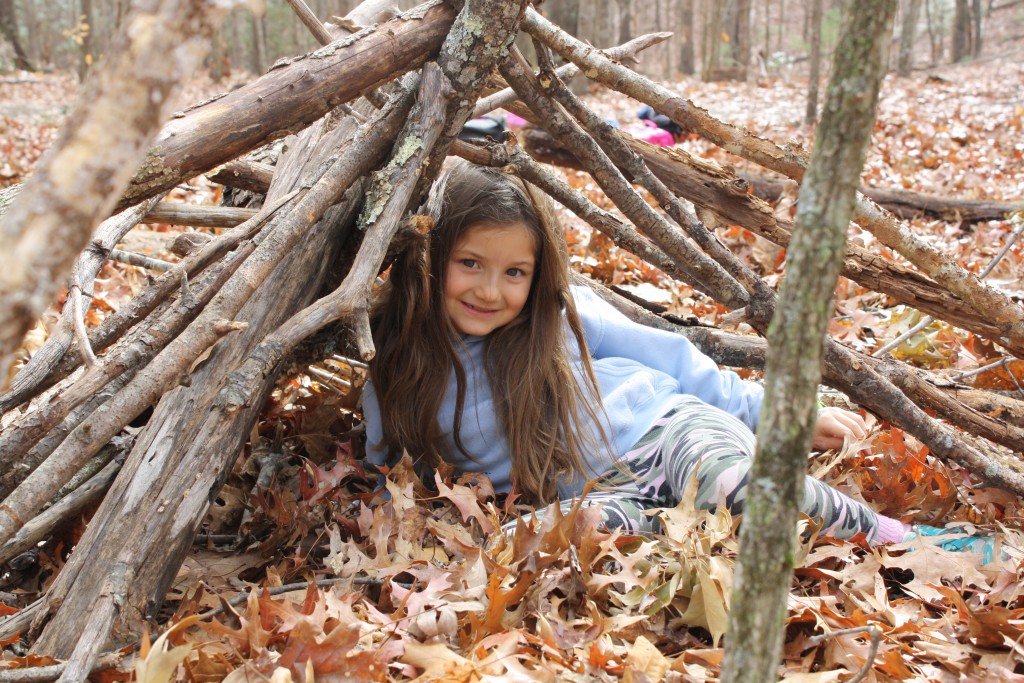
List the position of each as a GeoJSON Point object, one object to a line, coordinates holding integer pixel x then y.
{"type": "Point", "coordinates": [697, 440]}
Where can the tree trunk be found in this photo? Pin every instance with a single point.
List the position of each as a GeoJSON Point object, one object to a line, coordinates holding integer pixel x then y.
{"type": "Point", "coordinates": [741, 38]}
{"type": "Point", "coordinates": [911, 10]}
{"type": "Point", "coordinates": [684, 11]}
{"type": "Point", "coordinates": [87, 24]}
{"type": "Point", "coordinates": [961, 31]}
{"type": "Point", "coordinates": [259, 44]}
{"type": "Point", "coordinates": [712, 43]}
{"type": "Point", "coordinates": [814, 78]}
{"type": "Point", "coordinates": [799, 326]}
{"type": "Point", "coordinates": [625, 20]}
{"type": "Point", "coordinates": [217, 58]}
{"type": "Point", "coordinates": [976, 16]}
{"type": "Point", "coordinates": [9, 28]}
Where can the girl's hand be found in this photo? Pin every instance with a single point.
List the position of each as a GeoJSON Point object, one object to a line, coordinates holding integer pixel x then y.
{"type": "Point", "coordinates": [834, 424]}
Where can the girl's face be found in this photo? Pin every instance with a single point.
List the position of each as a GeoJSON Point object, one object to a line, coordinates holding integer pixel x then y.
{"type": "Point", "coordinates": [489, 276]}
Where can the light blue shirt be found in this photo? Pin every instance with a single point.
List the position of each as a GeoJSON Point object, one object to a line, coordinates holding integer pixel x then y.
{"type": "Point", "coordinates": [640, 371]}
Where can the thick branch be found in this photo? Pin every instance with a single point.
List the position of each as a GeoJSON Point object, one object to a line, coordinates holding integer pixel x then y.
{"type": "Point", "coordinates": [288, 98]}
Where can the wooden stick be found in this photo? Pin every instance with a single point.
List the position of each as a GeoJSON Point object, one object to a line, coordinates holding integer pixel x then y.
{"type": "Point", "coordinates": [66, 508]}
{"type": "Point", "coordinates": [199, 216]}
{"type": "Point", "coordinates": [633, 166]}
{"type": "Point", "coordinates": [78, 317]}
{"type": "Point", "coordinates": [310, 20]}
{"type": "Point", "coordinates": [724, 193]}
{"type": "Point", "coordinates": [874, 634]}
{"type": "Point", "coordinates": [51, 421]}
{"type": "Point", "coordinates": [244, 175]}
{"type": "Point", "coordinates": [567, 72]}
{"type": "Point", "coordinates": [382, 216]}
{"type": "Point", "coordinates": [140, 260]}
{"type": "Point", "coordinates": [114, 326]}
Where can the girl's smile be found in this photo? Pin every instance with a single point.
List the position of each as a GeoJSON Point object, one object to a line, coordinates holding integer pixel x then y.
{"type": "Point", "coordinates": [489, 277]}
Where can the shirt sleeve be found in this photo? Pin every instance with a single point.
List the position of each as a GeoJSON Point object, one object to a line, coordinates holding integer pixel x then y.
{"type": "Point", "coordinates": [610, 334]}
{"type": "Point", "coordinates": [375, 454]}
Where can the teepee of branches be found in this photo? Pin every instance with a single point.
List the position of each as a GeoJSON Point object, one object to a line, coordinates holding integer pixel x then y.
{"type": "Point", "coordinates": [370, 117]}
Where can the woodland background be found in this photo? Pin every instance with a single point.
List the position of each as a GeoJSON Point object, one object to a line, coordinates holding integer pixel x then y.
{"type": "Point", "coordinates": [406, 573]}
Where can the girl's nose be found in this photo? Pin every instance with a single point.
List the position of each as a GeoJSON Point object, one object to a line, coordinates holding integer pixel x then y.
{"type": "Point", "coordinates": [488, 290]}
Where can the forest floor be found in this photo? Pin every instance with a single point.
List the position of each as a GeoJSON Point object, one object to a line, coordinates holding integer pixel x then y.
{"type": "Point", "coordinates": [416, 582]}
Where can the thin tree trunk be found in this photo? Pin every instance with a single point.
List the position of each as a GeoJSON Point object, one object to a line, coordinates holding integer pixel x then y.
{"type": "Point", "coordinates": [685, 32]}
{"type": "Point", "coordinates": [741, 38]}
{"type": "Point", "coordinates": [88, 25]}
{"type": "Point", "coordinates": [259, 44]}
{"type": "Point", "coordinates": [961, 31]}
{"type": "Point", "coordinates": [9, 28]}
{"type": "Point", "coordinates": [814, 78]}
{"type": "Point", "coordinates": [217, 57]}
{"type": "Point", "coordinates": [976, 16]}
{"type": "Point", "coordinates": [712, 42]}
{"type": "Point", "coordinates": [625, 20]}
{"type": "Point", "coordinates": [799, 326]}
{"type": "Point", "coordinates": [911, 10]}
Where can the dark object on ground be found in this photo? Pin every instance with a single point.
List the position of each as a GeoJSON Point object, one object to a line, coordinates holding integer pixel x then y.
{"type": "Point", "coordinates": [646, 113]}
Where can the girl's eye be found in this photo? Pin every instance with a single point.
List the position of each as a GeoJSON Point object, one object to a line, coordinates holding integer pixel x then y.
{"type": "Point", "coordinates": [468, 262]}
{"type": "Point", "coordinates": [514, 272]}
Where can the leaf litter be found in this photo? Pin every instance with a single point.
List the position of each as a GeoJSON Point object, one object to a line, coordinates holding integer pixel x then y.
{"type": "Point", "coordinates": [454, 583]}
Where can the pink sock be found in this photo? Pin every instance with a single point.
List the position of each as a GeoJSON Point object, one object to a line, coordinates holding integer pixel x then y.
{"type": "Point", "coordinates": [889, 531]}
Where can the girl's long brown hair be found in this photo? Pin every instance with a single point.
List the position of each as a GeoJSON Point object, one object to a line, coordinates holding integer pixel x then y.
{"type": "Point", "coordinates": [541, 404]}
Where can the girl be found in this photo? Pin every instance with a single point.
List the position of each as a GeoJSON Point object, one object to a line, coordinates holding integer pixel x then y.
{"type": "Point", "coordinates": [489, 360]}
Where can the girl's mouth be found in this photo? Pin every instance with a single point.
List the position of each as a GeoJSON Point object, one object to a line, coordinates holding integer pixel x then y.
{"type": "Point", "coordinates": [476, 310]}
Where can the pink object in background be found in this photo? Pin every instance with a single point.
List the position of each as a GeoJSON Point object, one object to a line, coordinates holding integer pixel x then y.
{"type": "Point", "coordinates": [513, 121]}
{"type": "Point", "coordinates": [652, 134]}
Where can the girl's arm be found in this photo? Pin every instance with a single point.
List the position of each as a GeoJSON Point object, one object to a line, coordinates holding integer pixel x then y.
{"type": "Point", "coordinates": [375, 454]}
{"type": "Point", "coordinates": [611, 334]}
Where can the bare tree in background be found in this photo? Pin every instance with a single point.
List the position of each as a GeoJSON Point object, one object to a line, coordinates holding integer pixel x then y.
{"type": "Point", "coordinates": [908, 30]}
{"type": "Point", "coordinates": [684, 33]}
{"type": "Point", "coordinates": [814, 78]}
{"type": "Point", "coordinates": [9, 28]}
{"type": "Point", "coordinates": [961, 30]}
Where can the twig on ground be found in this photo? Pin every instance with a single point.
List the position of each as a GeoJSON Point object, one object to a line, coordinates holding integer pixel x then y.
{"type": "Point", "coordinates": [872, 631]}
